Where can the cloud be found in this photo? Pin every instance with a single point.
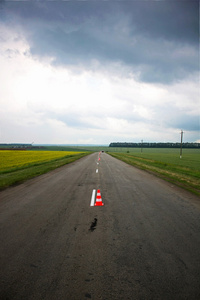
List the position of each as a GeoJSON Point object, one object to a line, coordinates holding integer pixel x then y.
{"type": "Point", "coordinates": [90, 105]}
{"type": "Point", "coordinates": [157, 41]}
{"type": "Point", "coordinates": [92, 72]}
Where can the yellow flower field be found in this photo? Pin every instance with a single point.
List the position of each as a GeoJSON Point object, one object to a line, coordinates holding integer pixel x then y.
{"type": "Point", "coordinates": [17, 159]}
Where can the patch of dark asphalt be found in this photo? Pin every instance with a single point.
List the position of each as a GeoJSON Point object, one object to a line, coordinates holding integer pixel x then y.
{"type": "Point", "coordinates": [93, 225]}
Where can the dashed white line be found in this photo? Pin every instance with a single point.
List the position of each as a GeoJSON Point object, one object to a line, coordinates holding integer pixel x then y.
{"type": "Point", "coordinates": [97, 171]}
{"type": "Point", "coordinates": [93, 198]}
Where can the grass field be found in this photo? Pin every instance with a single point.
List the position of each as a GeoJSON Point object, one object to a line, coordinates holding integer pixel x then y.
{"type": "Point", "coordinates": [18, 166]}
{"type": "Point", "coordinates": [166, 163]}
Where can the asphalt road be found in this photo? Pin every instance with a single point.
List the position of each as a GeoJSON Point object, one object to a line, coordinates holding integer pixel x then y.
{"type": "Point", "coordinates": [144, 243]}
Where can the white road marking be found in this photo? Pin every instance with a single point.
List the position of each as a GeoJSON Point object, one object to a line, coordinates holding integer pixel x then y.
{"type": "Point", "coordinates": [96, 170]}
{"type": "Point", "coordinates": [93, 198]}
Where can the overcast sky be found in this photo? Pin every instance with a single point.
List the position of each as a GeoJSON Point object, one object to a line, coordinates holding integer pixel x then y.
{"type": "Point", "coordinates": [95, 72]}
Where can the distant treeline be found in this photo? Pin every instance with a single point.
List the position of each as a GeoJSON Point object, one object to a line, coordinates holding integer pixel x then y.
{"type": "Point", "coordinates": [17, 147]}
{"type": "Point", "coordinates": [155, 145]}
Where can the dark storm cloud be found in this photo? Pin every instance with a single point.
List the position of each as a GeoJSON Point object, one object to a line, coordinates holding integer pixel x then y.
{"type": "Point", "coordinates": [171, 21]}
{"type": "Point", "coordinates": [188, 122]}
{"type": "Point", "coordinates": [156, 40]}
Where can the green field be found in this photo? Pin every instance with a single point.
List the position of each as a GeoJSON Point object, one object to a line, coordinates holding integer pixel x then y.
{"type": "Point", "coordinates": [17, 165]}
{"type": "Point", "coordinates": [166, 163]}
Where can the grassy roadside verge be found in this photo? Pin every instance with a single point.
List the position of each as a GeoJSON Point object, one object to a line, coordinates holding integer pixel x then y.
{"type": "Point", "coordinates": [23, 174]}
{"type": "Point", "coordinates": [183, 176]}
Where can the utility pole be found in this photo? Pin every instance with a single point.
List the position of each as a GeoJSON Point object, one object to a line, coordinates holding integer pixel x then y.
{"type": "Point", "coordinates": [141, 145]}
{"type": "Point", "coordinates": [181, 143]}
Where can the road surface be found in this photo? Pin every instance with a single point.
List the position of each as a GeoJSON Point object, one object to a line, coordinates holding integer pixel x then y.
{"type": "Point", "coordinates": [144, 243]}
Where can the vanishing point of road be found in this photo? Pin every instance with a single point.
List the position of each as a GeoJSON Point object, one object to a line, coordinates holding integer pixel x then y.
{"type": "Point", "coordinates": [144, 243]}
